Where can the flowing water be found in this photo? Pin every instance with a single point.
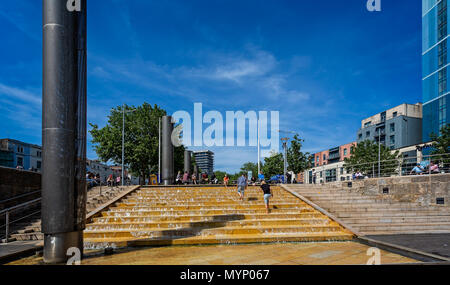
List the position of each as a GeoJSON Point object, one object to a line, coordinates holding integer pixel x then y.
{"type": "Point", "coordinates": [208, 215]}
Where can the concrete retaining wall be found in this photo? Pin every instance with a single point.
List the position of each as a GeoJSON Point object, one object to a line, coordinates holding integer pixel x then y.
{"type": "Point", "coordinates": [422, 189]}
{"type": "Point", "coordinates": [17, 182]}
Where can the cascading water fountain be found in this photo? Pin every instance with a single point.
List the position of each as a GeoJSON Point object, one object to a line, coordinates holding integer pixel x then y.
{"type": "Point", "coordinates": [208, 215]}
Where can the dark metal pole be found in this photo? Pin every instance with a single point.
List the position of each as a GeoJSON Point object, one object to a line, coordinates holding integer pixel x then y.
{"type": "Point", "coordinates": [167, 151]}
{"type": "Point", "coordinates": [187, 161]}
{"type": "Point", "coordinates": [159, 152]}
{"type": "Point", "coordinates": [123, 139]}
{"type": "Point", "coordinates": [196, 172]}
{"type": "Point", "coordinates": [63, 129]}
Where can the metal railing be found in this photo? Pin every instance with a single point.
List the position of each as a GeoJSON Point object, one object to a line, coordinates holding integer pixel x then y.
{"type": "Point", "coordinates": [403, 166]}
{"type": "Point", "coordinates": [7, 213]}
{"type": "Point", "coordinates": [19, 196]}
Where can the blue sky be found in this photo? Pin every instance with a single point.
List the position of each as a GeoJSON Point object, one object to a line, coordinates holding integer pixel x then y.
{"type": "Point", "coordinates": [324, 65]}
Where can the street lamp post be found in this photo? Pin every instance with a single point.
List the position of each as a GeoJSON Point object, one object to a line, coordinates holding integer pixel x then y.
{"type": "Point", "coordinates": [379, 151]}
{"type": "Point", "coordinates": [285, 140]}
{"type": "Point", "coordinates": [159, 152]}
{"type": "Point", "coordinates": [123, 139]}
{"type": "Point", "coordinates": [259, 152]}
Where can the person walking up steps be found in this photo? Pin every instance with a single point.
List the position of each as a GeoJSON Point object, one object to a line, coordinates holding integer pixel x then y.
{"type": "Point", "coordinates": [267, 194]}
{"type": "Point", "coordinates": [242, 185]}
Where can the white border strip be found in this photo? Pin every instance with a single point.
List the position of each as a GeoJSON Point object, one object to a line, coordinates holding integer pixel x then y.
{"type": "Point", "coordinates": [431, 74]}
{"type": "Point", "coordinates": [437, 98]}
{"type": "Point", "coordinates": [435, 45]}
{"type": "Point", "coordinates": [437, 3]}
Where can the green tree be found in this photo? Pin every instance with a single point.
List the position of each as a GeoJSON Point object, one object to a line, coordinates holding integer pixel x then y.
{"type": "Point", "coordinates": [141, 139]}
{"type": "Point", "coordinates": [364, 158]}
{"type": "Point", "coordinates": [220, 175]}
{"type": "Point", "coordinates": [296, 159]}
{"type": "Point", "coordinates": [441, 144]}
{"type": "Point", "coordinates": [273, 165]}
{"type": "Point", "coordinates": [250, 166]}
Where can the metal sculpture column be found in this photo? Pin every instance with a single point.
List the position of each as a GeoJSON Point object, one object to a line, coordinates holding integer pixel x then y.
{"type": "Point", "coordinates": [63, 129]}
{"type": "Point", "coordinates": [187, 161]}
{"type": "Point", "coordinates": [167, 162]}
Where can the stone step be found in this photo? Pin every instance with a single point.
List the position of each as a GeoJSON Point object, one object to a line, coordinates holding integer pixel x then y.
{"type": "Point", "coordinates": [141, 207]}
{"type": "Point", "coordinates": [199, 231]}
{"type": "Point", "coordinates": [28, 230]}
{"type": "Point", "coordinates": [359, 202]}
{"type": "Point", "coordinates": [100, 243]}
{"type": "Point", "coordinates": [28, 236]}
{"type": "Point", "coordinates": [203, 212]}
{"type": "Point", "coordinates": [406, 220]}
{"type": "Point", "coordinates": [388, 214]}
{"type": "Point", "coordinates": [232, 197]}
{"type": "Point", "coordinates": [377, 208]}
{"type": "Point", "coordinates": [157, 216]}
{"type": "Point", "coordinates": [196, 218]}
{"type": "Point", "coordinates": [206, 203]}
{"type": "Point", "coordinates": [209, 224]}
{"type": "Point", "coordinates": [403, 227]}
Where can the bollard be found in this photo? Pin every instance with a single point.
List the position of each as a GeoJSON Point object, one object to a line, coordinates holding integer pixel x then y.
{"type": "Point", "coordinates": [7, 227]}
{"type": "Point", "coordinates": [167, 151]}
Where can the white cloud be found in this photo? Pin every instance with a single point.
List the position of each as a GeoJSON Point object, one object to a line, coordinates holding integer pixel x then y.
{"type": "Point", "coordinates": [20, 94]}
{"type": "Point", "coordinates": [22, 107]}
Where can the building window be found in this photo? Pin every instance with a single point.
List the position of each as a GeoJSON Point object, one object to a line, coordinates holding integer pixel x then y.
{"type": "Point", "coordinates": [442, 19]}
{"type": "Point", "coordinates": [360, 136]}
{"type": "Point", "coordinates": [20, 161]}
{"type": "Point", "coordinates": [367, 124]}
{"type": "Point", "coordinates": [38, 165]}
{"type": "Point", "coordinates": [367, 134]}
{"type": "Point", "coordinates": [383, 116]}
{"type": "Point", "coordinates": [342, 171]}
{"type": "Point", "coordinates": [324, 157]}
{"type": "Point", "coordinates": [442, 81]}
{"type": "Point", "coordinates": [442, 113]}
{"type": "Point", "coordinates": [345, 151]}
{"type": "Point", "coordinates": [321, 174]}
{"type": "Point", "coordinates": [20, 149]}
{"type": "Point", "coordinates": [394, 114]}
{"type": "Point", "coordinates": [392, 140]}
{"type": "Point", "coordinates": [393, 127]}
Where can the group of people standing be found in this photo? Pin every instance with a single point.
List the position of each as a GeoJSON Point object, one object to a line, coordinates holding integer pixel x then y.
{"type": "Point", "coordinates": [242, 184]}
{"type": "Point", "coordinates": [111, 181]}
{"type": "Point", "coordinates": [195, 179]}
{"type": "Point", "coordinates": [420, 170]}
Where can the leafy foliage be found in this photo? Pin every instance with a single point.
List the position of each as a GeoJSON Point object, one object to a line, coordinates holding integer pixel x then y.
{"type": "Point", "coordinates": [296, 159]}
{"type": "Point", "coordinates": [441, 144]}
{"type": "Point", "coordinates": [141, 139]}
{"type": "Point", "coordinates": [250, 166]}
{"type": "Point", "coordinates": [273, 165]}
{"type": "Point", "coordinates": [365, 159]}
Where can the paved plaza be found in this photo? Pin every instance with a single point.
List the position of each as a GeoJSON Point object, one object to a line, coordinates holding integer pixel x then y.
{"type": "Point", "coordinates": [321, 253]}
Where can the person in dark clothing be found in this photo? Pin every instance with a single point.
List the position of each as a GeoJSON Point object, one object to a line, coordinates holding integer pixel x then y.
{"type": "Point", "coordinates": [267, 194]}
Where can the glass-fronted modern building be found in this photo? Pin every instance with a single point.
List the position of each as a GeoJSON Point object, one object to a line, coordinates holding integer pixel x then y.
{"type": "Point", "coordinates": [205, 160]}
{"type": "Point", "coordinates": [435, 75]}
